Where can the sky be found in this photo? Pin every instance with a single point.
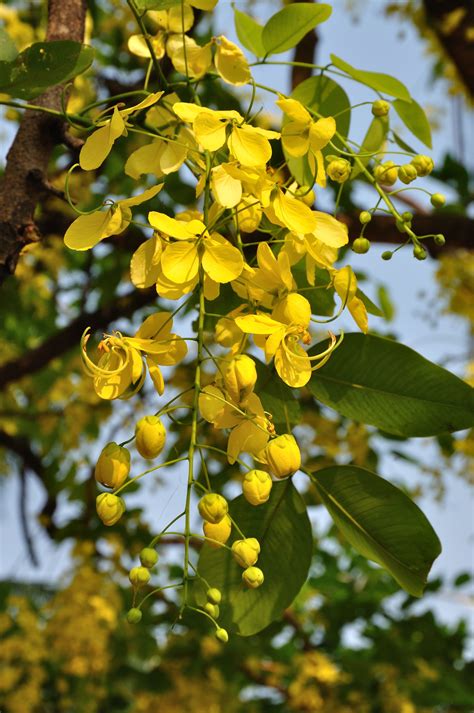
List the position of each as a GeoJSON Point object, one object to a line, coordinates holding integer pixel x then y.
{"type": "Point", "coordinates": [372, 43]}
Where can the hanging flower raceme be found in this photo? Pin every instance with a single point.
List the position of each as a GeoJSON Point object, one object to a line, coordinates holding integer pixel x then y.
{"type": "Point", "coordinates": [250, 427]}
{"type": "Point", "coordinates": [120, 371]}
{"type": "Point", "coordinates": [280, 334]}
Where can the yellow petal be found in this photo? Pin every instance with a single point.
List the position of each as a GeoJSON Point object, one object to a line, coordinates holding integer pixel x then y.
{"type": "Point", "coordinates": [180, 19]}
{"type": "Point", "coordinates": [173, 157]}
{"type": "Point", "coordinates": [226, 189]}
{"type": "Point", "coordinates": [359, 314]}
{"type": "Point", "coordinates": [148, 101]}
{"type": "Point", "coordinates": [273, 343]}
{"type": "Point", "coordinates": [211, 288]}
{"type": "Point", "coordinates": [257, 324]}
{"type": "Point", "coordinates": [87, 230]}
{"type": "Point", "coordinates": [195, 62]}
{"type": "Point", "coordinates": [321, 132]}
{"type": "Point", "coordinates": [296, 371]}
{"type": "Point", "coordinates": [295, 138]}
{"type": "Point", "coordinates": [345, 284]}
{"type": "Point", "coordinates": [293, 213]}
{"type": "Point", "coordinates": [330, 231]}
{"type": "Point", "coordinates": [210, 130]}
{"type": "Point", "coordinates": [173, 290]}
{"type": "Point", "coordinates": [249, 147]}
{"type": "Point", "coordinates": [146, 159]}
{"type": "Point", "coordinates": [157, 326]}
{"type": "Point", "coordinates": [203, 4]}
{"type": "Point", "coordinates": [99, 144]}
{"type": "Point", "coordinates": [211, 403]}
{"type": "Point", "coordinates": [187, 112]}
{"type": "Point", "coordinates": [221, 260]}
{"type": "Point", "coordinates": [231, 63]}
{"type": "Point", "coordinates": [156, 375]}
{"type": "Point", "coordinates": [138, 46]}
{"type": "Point", "coordinates": [294, 109]}
{"type": "Point", "coordinates": [181, 229]}
{"type": "Point", "coordinates": [145, 263]}
{"type": "Point", "coordinates": [248, 437]}
{"type": "Point", "coordinates": [141, 197]}
{"type": "Point", "coordinates": [180, 262]}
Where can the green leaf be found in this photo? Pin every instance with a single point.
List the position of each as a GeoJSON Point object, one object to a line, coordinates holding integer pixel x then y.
{"type": "Point", "coordinates": [372, 143]}
{"type": "Point", "coordinates": [390, 386]}
{"type": "Point", "coordinates": [386, 304]}
{"type": "Point", "coordinates": [375, 80]}
{"type": "Point", "coordinates": [288, 26]}
{"type": "Point", "coordinates": [43, 65]}
{"type": "Point", "coordinates": [414, 119]}
{"type": "Point", "coordinates": [324, 96]}
{"type": "Point", "coordinates": [283, 529]}
{"type": "Point", "coordinates": [403, 145]}
{"type": "Point", "coordinates": [381, 522]}
{"type": "Point", "coordinates": [249, 33]}
{"type": "Point", "coordinates": [277, 398]}
{"type": "Point", "coordinates": [370, 306]}
{"type": "Point", "coordinates": [8, 50]}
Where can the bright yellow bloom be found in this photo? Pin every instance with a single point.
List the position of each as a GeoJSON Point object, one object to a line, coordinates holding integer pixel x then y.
{"type": "Point", "coordinates": [180, 261]}
{"type": "Point", "coordinates": [246, 551]}
{"type": "Point", "coordinates": [282, 455]}
{"type": "Point", "coordinates": [88, 230]}
{"type": "Point", "coordinates": [231, 62]}
{"type": "Point", "coordinates": [213, 508]}
{"type": "Point", "coordinates": [257, 486]}
{"type": "Point", "coordinates": [219, 531]}
{"type": "Point", "coordinates": [247, 144]}
{"type": "Point", "coordinates": [150, 437]}
{"type": "Point", "coordinates": [291, 212]}
{"type": "Point", "coordinates": [253, 577]}
{"type": "Point", "coordinates": [120, 372]}
{"type": "Point", "coordinates": [345, 284]}
{"type": "Point", "coordinates": [113, 466]}
{"type": "Point", "coordinates": [250, 426]}
{"type": "Point", "coordinates": [110, 508]}
{"type": "Point", "coordinates": [238, 375]}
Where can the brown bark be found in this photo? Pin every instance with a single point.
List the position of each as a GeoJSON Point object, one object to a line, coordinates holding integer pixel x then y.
{"type": "Point", "coordinates": [24, 182]}
{"type": "Point", "coordinates": [304, 52]}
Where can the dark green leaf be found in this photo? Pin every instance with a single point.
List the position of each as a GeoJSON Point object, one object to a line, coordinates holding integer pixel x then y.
{"type": "Point", "coordinates": [44, 65]}
{"type": "Point", "coordinates": [388, 385]}
{"type": "Point", "coordinates": [386, 303]}
{"type": "Point", "coordinates": [8, 50]}
{"type": "Point", "coordinates": [375, 80]}
{"type": "Point", "coordinates": [288, 26]}
{"type": "Point", "coordinates": [249, 33]}
{"type": "Point", "coordinates": [283, 529]}
{"type": "Point", "coordinates": [414, 119]}
{"type": "Point", "coordinates": [381, 522]}
{"type": "Point", "coordinates": [277, 398]}
{"type": "Point", "coordinates": [372, 143]}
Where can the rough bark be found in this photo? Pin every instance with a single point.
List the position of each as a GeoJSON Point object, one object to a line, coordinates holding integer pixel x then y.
{"type": "Point", "coordinates": [24, 182]}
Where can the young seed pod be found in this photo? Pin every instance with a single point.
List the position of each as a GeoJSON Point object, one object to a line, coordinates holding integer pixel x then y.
{"type": "Point", "coordinates": [439, 239]}
{"type": "Point", "coordinates": [214, 595]}
{"type": "Point", "coordinates": [253, 577]}
{"type": "Point", "coordinates": [222, 635]}
{"type": "Point", "coordinates": [219, 532]}
{"type": "Point", "coordinates": [380, 107]}
{"type": "Point", "coordinates": [257, 486]}
{"type": "Point", "coordinates": [139, 576]}
{"type": "Point", "coordinates": [246, 551]}
{"type": "Point", "coordinates": [387, 255]}
{"type": "Point", "coordinates": [407, 173]}
{"type": "Point", "coordinates": [148, 557]}
{"type": "Point", "coordinates": [110, 508]}
{"type": "Point", "coordinates": [361, 246]}
{"type": "Point", "coordinates": [423, 164]}
{"type": "Point", "coordinates": [213, 508]}
{"type": "Point", "coordinates": [134, 615]}
{"type": "Point", "coordinates": [283, 455]}
{"type": "Point", "coordinates": [419, 252]}
{"type": "Point", "coordinates": [113, 466]}
{"type": "Point", "coordinates": [150, 437]}
{"type": "Point", "coordinates": [212, 610]}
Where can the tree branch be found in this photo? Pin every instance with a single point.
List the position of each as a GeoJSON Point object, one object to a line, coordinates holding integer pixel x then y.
{"type": "Point", "coordinates": [30, 152]}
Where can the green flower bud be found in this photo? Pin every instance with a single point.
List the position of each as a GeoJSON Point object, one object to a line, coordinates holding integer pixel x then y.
{"type": "Point", "coordinates": [150, 437]}
{"type": "Point", "coordinates": [139, 576]}
{"type": "Point", "coordinates": [212, 610]}
{"type": "Point", "coordinates": [148, 557]}
{"type": "Point", "coordinates": [387, 255]}
{"type": "Point", "coordinates": [219, 531]}
{"type": "Point", "coordinates": [253, 577]}
{"type": "Point", "coordinates": [380, 107]}
{"type": "Point", "coordinates": [361, 246]}
{"type": "Point", "coordinates": [134, 615]}
{"type": "Point", "coordinates": [222, 635]}
{"type": "Point", "coordinates": [419, 252]}
{"type": "Point", "coordinates": [386, 173]}
{"type": "Point", "coordinates": [407, 173]}
{"type": "Point", "coordinates": [401, 226]}
{"type": "Point", "coordinates": [257, 486]}
{"type": "Point", "coordinates": [438, 200]}
{"type": "Point", "coordinates": [365, 217]}
{"type": "Point", "coordinates": [407, 216]}
{"type": "Point", "coordinates": [214, 595]}
{"type": "Point", "coordinates": [339, 170]}
{"type": "Point", "coordinates": [110, 508]}
{"type": "Point", "coordinates": [213, 508]}
{"type": "Point", "coordinates": [283, 455]}
{"type": "Point", "coordinates": [423, 164]}
{"type": "Point", "coordinates": [113, 466]}
{"type": "Point", "coordinates": [246, 551]}
{"type": "Point", "coordinates": [440, 239]}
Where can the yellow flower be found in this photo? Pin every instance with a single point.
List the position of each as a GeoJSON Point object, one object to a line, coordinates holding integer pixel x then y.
{"type": "Point", "coordinates": [218, 531]}
{"type": "Point", "coordinates": [188, 57]}
{"type": "Point", "coordinates": [120, 371]}
{"type": "Point", "coordinates": [88, 230]}
{"type": "Point", "coordinates": [231, 62]}
{"type": "Point", "coordinates": [110, 508]}
{"type": "Point", "coordinates": [257, 486]}
{"type": "Point", "coordinates": [113, 466]}
{"type": "Point", "coordinates": [253, 577]}
{"type": "Point", "coordinates": [345, 284]}
{"type": "Point", "coordinates": [248, 144]}
{"type": "Point", "coordinates": [246, 551]}
{"type": "Point", "coordinates": [213, 508]}
{"type": "Point", "coordinates": [220, 260]}
{"type": "Point", "coordinates": [248, 421]}
{"type": "Point", "coordinates": [238, 375]}
{"type": "Point", "coordinates": [282, 455]}
{"type": "Point", "coordinates": [150, 437]}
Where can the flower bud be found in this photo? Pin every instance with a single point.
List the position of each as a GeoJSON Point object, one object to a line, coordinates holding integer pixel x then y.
{"type": "Point", "coordinates": [283, 455]}
{"type": "Point", "coordinates": [439, 239]}
{"type": "Point", "coordinates": [134, 615]}
{"type": "Point", "coordinates": [407, 173]}
{"type": "Point", "coordinates": [293, 309]}
{"type": "Point", "coordinates": [222, 635]}
{"type": "Point", "coordinates": [227, 332]}
{"type": "Point", "coordinates": [246, 551]}
{"type": "Point", "coordinates": [419, 252]}
{"type": "Point", "coordinates": [219, 532]}
{"type": "Point", "coordinates": [240, 376]}
{"type": "Point", "coordinates": [438, 200]}
{"type": "Point", "coordinates": [386, 173]}
{"type": "Point", "coordinates": [380, 107]}
{"type": "Point", "coordinates": [365, 217]}
{"type": "Point", "coordinates": [139, 576]}
{"type": "Point", "coordinates": [148, 557]}
{"type": "Point", "coordinates": [113, 466]}
{"type": "Point", "coordinates": [150, 437]}
{"type": "Point", "coordinates": [213, 508]}
{"type": "Point", "coordinates": [110, 508]}
{"type": "Point", "coordinates": [361, 246]}
{"type": "Point", "coordinates": [257, 486]}
{"type": "Point", "coordinates": [253, 577]}
{"type": "Point", "coordinates": [339, 170]}
{"type": "Point", "coordinates": [214, 595]}
{"type": "Point", "coordinates": [407, 216]}
{"type": "Point", "coordinates": [423, 164]}
{"type": "Point", "coordinates": [212, 610]}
